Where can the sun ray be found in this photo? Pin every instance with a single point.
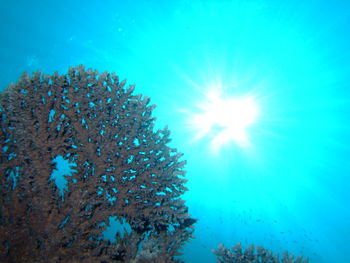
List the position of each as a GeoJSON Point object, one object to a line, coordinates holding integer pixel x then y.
{"type": "Point", "coordinates": [225, 119]}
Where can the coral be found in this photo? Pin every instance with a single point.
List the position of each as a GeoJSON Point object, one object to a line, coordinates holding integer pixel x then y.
{"type": "Point", "coordinates": [253, 255]}
{"type": "Point", "coordinates": [123, 168]}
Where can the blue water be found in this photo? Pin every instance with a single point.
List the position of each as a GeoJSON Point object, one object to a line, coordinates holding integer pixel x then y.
{"type": "Point", "coordinates": [289, 189]}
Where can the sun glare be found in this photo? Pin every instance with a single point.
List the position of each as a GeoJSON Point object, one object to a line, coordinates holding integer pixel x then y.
{"type": "Point", "coordinates": [225, 119]}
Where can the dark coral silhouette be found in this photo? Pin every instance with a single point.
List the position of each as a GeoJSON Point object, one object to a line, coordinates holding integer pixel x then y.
{"type": "Point", "coordinates": [123, 168]}
{"type": "Point", "coordinates": [253, 255]}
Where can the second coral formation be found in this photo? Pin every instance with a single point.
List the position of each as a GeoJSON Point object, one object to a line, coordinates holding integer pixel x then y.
{"type": "Point", "coordinates": [237, 254]}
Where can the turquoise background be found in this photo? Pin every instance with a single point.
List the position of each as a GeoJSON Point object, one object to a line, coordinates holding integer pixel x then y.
{"type": "Point", "coordinates": [290, 190]}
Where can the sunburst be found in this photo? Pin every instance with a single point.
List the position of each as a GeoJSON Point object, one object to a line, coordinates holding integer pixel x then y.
{"type": "Point", "coordinates": [224, 119]}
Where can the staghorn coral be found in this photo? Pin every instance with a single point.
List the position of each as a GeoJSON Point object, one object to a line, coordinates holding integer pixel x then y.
{"type": "Point", "coordinates": [253, 255]}
{"type": "Point", "coordinates": [123, 168]}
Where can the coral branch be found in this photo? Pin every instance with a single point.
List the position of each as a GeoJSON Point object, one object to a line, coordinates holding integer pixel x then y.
{"type": "Point", "coordinates": [253, 255]}
{"type": "Point", "coordinates": [123, 168]}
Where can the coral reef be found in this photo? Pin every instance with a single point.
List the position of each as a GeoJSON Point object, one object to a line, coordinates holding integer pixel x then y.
{"type": "Point", "coordinates": [253, 255]}
{"type": "Point", "coordinates": [123, 168]}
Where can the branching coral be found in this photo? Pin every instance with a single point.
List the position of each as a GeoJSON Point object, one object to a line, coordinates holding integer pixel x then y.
{"type": "Point", "coordinates": [123, 168]}
{"type": "Point", "coordinates": [253, 255]}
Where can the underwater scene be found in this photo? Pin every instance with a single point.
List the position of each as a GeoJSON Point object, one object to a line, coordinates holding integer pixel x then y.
{"type": "Point", "coordinates": [194, 131]}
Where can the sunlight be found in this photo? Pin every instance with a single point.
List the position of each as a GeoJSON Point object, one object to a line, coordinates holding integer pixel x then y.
{"type": "Point", "coordinates": [225, 119]}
